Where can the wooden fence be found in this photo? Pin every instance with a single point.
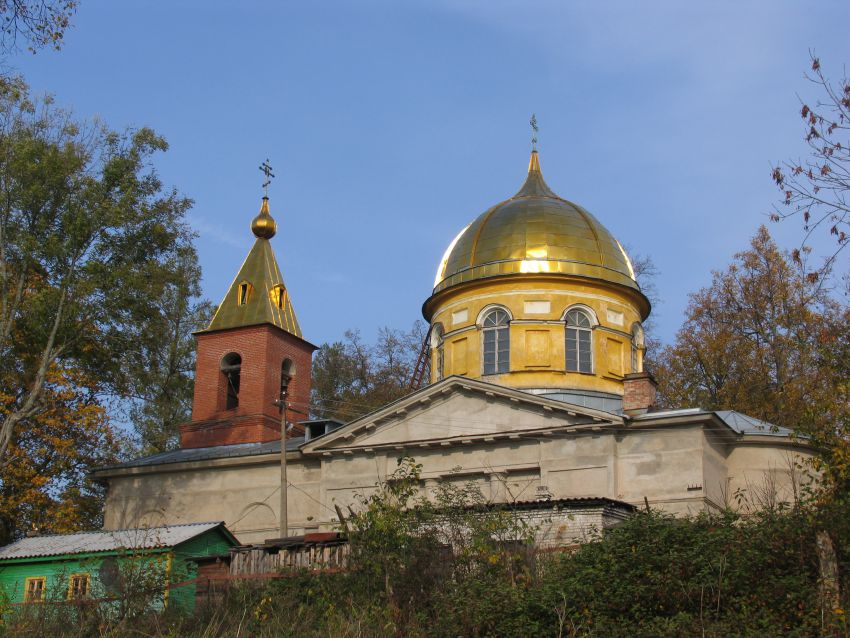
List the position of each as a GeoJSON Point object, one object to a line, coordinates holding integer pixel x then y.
{"type": "Point", "coordinates": [271, 560]}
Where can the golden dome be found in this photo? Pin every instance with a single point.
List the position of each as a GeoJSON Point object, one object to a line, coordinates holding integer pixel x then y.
{"type": "Point", "coordinates": [263, 225]}
{"type": "Point", "coordinates": [535, 231]}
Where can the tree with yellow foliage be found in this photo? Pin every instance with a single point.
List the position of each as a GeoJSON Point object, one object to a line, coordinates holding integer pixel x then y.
{"type": "Point", "coordinates": [43, 479]}
{"type": "Point", "coordinates": [766, 340]}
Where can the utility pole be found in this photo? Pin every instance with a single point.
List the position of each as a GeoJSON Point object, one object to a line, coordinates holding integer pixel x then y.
{"type": "Point", "coordinates": [284, 522]}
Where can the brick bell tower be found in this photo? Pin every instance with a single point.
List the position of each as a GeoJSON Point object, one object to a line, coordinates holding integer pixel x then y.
{"type": "Point", "coordinates": [250, 352]}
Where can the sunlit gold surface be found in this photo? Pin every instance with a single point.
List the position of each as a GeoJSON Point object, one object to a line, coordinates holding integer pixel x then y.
{"type": "Point", "coordinates": [535, 231]}
{"type": "Point", "coordinates": [260, 270]}
{"type": "Point", "coordinates": [264, 225]}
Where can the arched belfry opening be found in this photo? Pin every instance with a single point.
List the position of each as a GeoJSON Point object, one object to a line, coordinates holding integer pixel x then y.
{"type": "Point", "coordinates": [287, 372]}
{"type": "Point", "coordinates": [231, 370]}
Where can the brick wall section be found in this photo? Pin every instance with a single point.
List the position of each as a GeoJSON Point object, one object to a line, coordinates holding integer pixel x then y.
{"type": "Point", "coordinates": [639, 393]}
{"type": "Point", "coordinates": [263, 349]}
{"type": "Point", "coordinates": [255, 428]}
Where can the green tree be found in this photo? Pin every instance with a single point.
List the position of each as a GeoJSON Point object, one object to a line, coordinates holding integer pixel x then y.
{"type": "Point", "coordinates": [753, 341]}
{"type": "Point", "coordinates": [90, 243]}
{"type": "Point", "coordinates": [159, 361]}
{"type": "Point", "coordinates": [352, 378]}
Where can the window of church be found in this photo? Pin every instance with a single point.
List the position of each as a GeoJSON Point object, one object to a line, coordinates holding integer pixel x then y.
{"type": "Point", "coordinates": [231, 369]}
{"type": "Point", "coordinates": [579, 344]}
{"type": "Point", "coordinates": [244, 293]}
{"type": "Point", "coordinates": [497, 342]}
{"type": "Point", "coordinates": [439, 349]}
{"type": "Point", "coordinates": [637, 345]}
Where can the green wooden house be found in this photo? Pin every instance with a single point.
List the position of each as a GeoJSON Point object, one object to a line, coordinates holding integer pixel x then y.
{"type": "Point", "coordinates": [147, 567]}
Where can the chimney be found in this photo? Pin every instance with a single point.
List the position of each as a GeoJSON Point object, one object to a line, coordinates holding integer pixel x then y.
{"type": "Point", "coordinates": [639, 389]}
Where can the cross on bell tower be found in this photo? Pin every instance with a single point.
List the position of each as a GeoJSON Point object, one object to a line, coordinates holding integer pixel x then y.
{"type": "Point", "coordinates": [266, 168]}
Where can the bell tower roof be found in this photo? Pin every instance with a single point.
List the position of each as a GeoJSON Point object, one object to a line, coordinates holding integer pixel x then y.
{"type": "Point", "coordinates": [258, 294]}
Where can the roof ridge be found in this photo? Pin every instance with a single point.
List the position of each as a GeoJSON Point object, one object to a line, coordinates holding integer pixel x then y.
{"type": "Point", "coordinates": [113, 531]}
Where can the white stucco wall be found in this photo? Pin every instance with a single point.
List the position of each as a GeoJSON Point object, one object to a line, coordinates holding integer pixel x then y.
{"type": "Point", "coordinates": [683, 468]}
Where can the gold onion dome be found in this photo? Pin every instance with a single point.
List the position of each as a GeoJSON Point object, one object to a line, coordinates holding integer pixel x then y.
{"type": "Point", "coordinates": [264, 226]}
{"type": "Point", "coordinates": [536, 232]}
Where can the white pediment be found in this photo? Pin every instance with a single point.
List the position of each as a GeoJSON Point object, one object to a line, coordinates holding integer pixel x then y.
{"type": "Point", "coordinates": [460, 410]}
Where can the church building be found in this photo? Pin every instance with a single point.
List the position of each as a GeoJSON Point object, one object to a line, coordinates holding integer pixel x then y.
{"type": "Point", "coordinates": [537, 395]}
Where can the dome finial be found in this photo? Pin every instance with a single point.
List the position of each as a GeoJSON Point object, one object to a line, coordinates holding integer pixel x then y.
{"type": "Point", "coordinates": [263, 225]}
{"type": "Point", "coordinates": [534, 163]}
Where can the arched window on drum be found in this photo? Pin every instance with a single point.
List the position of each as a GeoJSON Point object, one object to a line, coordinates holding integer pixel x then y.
{"type": "Point", "coordinates": [439, 360]}
{"type": "Point", "coordinates": [638, 347]}
{"type": "Point", "coordinates": [579, 341]}
{"type": "Point", "coordinates": [497, 342]}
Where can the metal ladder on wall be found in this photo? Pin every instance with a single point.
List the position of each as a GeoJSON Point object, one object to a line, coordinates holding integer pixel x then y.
{"type": "Point", "coordinates": [420, 372]}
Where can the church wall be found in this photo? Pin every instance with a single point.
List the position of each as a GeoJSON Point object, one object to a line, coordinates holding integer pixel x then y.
{"type": "Point", "coordinates": [244, 496]}
{"type": "Point", "coordinates": [766, 472]}
{"type": "Point", "coordinates": [715, 479]}
{"type": "Point", "coordinates": [659, 465]}
{"type": "Point", "coordinates": [579, 466]}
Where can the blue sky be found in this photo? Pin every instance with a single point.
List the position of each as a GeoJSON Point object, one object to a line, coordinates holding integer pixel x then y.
{"type": "Point", "coordinates": [391, 124]}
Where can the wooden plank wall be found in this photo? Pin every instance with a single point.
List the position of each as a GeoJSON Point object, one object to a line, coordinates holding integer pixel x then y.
{"type": "Point", "coordinates": [319, 557]}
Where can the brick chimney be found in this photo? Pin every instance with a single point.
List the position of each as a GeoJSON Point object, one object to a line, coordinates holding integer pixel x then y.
{"type": "Point", "coordinates": [639, 390]}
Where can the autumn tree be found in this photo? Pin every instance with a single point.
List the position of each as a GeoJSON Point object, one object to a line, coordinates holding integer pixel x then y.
{"type": "Point", "coordinates": [753, 341]}
{"type": "Point", "coordinates": [43, 482]}
{"type": "Point", "coordinates": [352, 378]}
{"type": "Point", "coordinates": [39, 23]}
{"type": "Point", "coordinates": [90, 244]}
{"type": "Point", "coordinates": [816, 189]}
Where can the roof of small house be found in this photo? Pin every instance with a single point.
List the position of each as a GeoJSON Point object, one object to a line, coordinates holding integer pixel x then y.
{"type": "Point", "coordinates": [108, 541]}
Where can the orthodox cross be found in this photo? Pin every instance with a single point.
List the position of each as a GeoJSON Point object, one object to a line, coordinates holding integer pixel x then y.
{"type": "Point", "coordinates": [533, 122]}
{"type": "Point", "coordinates": [267, 171]}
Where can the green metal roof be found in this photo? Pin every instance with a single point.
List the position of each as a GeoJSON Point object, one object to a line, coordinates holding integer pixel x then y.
{"type": "Point", "coordinates": [265, 300]}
